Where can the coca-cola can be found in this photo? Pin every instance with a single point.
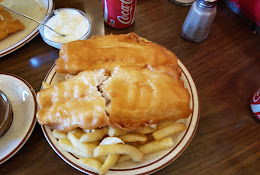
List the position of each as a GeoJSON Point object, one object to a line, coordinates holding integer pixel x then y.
{"type": "Point", "coordinates": [255, 103]}
{"type": "Point", "coordinates": [119, 13]}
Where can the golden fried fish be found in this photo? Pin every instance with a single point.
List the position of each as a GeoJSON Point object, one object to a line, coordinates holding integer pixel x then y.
{"type": "Point", "coordinates": [141, 96]}
{"type": "Point", "coordinates": [8, 24]}
{"type": "Point", "coordinates": [74, 103]}
{"type": "Point", "coordinates": [129, 97]}
{"type": "Point", "coordinates": [110, 51]}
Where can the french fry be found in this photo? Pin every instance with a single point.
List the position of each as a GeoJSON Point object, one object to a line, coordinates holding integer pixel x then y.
{"type": "Point", "coordinates": [58, 134]}
{"type": "Point", "coordinates": [165, 123]}
{"type": "Point", "coordinates": [102, 159]}
{"type": "Point", "coordinates": [148, 129]}
{"type": "Point", "coordinates": [110, 161]}
{"type": "Point", "coordinates": [114, 132]}
{"type": "Point", "coordinates": [133, 152]}
{"type": "Point", "coordinates": [67, 146]}
{"type": "Point", "coordinates": [123, 158]}
{"type": "Point", "coordinates": [169, 130]}
{"type": "Point", "coordinates": [135, 144]}
{"type": "Point", "coordinates": [84, 147]}
{"type": "Point", "coordinates": [156, 146]}
{"type": "Point", "coordinates": [142, 142]}
{"type": "Point", "coordinates": [134, 137]}
{"type": "Point", "coordinates": [111, 158]}
{"type": "Point", "coordinates": [45, 85]}
{"type": "Point", "coordinates": [98, 134]}
{"type": "Point", "coordinates": [90, 163]}
{"type": "Point", "coordinates": [78, 132]}
{"type": "Point", "coordinates": [111, 140]}
{"type": "Point", "coordinates": [95, 142]}
{"type": "Point", "coordinates": [98, 153]}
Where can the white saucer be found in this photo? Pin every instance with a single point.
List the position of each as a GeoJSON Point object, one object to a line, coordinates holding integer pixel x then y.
{"type": "Point", "coordinates": [23, 100]}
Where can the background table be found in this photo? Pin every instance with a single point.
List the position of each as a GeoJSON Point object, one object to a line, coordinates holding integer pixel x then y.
{"type": "Point", "coordinates": [225, 68]}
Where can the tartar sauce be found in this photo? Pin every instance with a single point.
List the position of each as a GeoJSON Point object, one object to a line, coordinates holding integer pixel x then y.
{"type": "Point", "coordinates": [69, 22]}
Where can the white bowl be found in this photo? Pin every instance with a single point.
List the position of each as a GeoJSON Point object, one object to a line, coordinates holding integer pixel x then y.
{"type": "Point", "coordinates": [56, 44]}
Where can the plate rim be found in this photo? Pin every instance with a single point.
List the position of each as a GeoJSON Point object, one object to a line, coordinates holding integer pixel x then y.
{"type": "Point", "coordinates": [33, 123]}
{"type": "Point", "coordinates": [195, 112]}
{"type": "Point", "coordinates": [28, 37]}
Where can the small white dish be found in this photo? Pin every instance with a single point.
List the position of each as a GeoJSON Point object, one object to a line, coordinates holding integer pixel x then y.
{"type": "Point", "coordinates": [59, 24]}
{"type": "Point", "coordinates": [23, 100]}
{"type": "Point", "coordinates": [152, 162]}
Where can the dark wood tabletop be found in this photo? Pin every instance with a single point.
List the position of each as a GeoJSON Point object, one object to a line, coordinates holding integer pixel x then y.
{"type": "Point", "coordinates": [225, 68]}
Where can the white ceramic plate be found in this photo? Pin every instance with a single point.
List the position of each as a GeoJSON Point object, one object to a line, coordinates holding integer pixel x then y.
{"type": "Point", "coordinates": [152, 162]}
{"type": "Point", "coordinates": [23, 100]}
{"type": "Point", "coordinates": [36, 9]}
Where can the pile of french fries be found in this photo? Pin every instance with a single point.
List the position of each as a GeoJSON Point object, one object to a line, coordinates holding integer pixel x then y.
{"type": "Point", "coordinates": [100, 149]}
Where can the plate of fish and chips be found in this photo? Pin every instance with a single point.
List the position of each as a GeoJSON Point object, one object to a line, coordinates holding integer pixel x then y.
{"type": "Point", "coordinates": [114, 148]}
{"type": "Point", "coordinates": [26, 29]}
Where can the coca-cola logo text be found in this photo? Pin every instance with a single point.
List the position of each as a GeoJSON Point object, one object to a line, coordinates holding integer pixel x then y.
{"type": "Point", "coordinates": [256, 96]}
{"type": "Point", "coordinates": [126, 10]}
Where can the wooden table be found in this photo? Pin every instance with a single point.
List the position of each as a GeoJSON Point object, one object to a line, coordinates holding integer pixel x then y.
{"type": "Point", "coordinates": [226, 71]}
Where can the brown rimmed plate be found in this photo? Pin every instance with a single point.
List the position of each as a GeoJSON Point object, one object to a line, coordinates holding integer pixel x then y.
{"type": "Point", "coordinates": [23, 100]}
{"type": "Point", "coordinates": [35, 9]}
{"type": "Point", "coordinates": [152, 162]}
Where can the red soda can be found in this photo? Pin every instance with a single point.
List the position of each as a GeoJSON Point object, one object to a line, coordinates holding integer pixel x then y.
{"type": "Point", "coordinates": [255, 103]}
{"type": "Point", "coordinates": [119, 13]}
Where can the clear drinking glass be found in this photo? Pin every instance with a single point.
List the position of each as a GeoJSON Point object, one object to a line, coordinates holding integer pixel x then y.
{"type": "Point", "coordinates": [182, 2]}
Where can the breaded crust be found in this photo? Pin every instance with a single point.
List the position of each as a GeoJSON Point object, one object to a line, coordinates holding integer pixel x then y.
{"type": "Point", "coordinates": [143, 96]}
{"type": "Point", "coordinates": [122, 80]}
{"type": "Point", "coordinates": [132, 97]}
{"type": "Point", "coordinates": [74, 103]}
{"type": "Point", "coordinates": [110, 51]}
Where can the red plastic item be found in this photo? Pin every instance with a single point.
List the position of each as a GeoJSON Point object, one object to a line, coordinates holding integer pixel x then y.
{"type": "Point", "coordinates": [250, 8]}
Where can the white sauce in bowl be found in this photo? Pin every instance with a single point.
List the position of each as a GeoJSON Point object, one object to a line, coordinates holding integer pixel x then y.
{"type": "Point", "coordinates": [69, 22]}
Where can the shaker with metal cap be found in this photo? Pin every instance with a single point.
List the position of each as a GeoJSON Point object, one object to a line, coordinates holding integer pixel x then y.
{"type": "Point", "coordinates": [199, 20]}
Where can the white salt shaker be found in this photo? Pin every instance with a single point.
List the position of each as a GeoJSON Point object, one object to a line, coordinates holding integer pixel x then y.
{"type": "Point", "coordinates": [197, 24]}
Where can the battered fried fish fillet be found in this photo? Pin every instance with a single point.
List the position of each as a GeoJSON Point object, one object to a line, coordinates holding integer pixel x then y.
{"type": "Point", "coordinates": [8, 24]}
{"type": "Point", "coordinates": [74, 103]}
{"type": "Point", "coordinates": [110, 51]}
{"type": "Point", "coordinates": [132, 97]}
{"type": "Point", "coordinates": [145, 95]}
